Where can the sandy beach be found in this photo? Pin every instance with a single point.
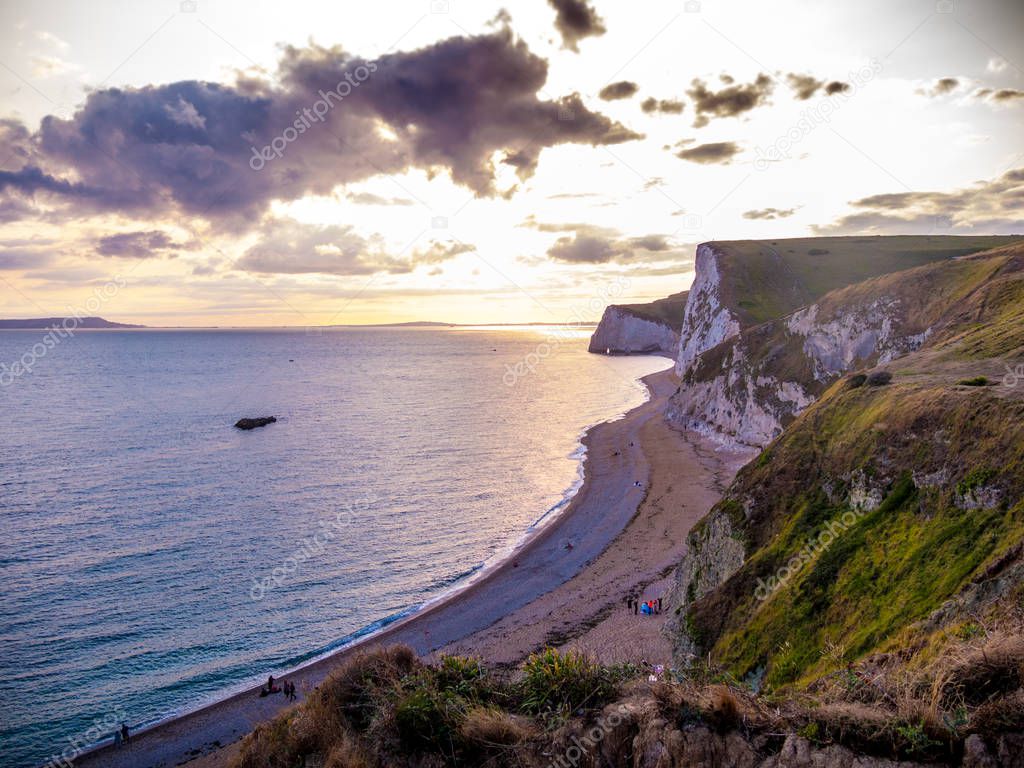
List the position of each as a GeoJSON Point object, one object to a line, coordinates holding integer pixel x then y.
{"type": "Point", "coordinates": [565, 587]}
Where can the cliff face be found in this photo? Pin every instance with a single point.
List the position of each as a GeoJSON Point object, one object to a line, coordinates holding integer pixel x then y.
{"type": "Point", "coordinates": [889, 512]}
{"type": "Point", "coordinates": [768, 327]}
{"type": "Point", "coordinates": [640, 328]}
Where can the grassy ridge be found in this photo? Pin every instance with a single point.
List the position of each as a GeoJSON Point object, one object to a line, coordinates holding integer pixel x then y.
{"type": "Point", "coordinates": [943, 459]}
{"type": "Point", "coordinates": [766, 279]}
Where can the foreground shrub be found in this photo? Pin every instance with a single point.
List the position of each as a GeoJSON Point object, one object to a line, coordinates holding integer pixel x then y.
{"type": "Point", "coordinates": [561, 683]}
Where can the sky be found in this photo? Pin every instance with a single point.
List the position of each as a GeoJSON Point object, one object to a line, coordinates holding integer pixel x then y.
{"type": "Point", "coordinates": [207, 162]}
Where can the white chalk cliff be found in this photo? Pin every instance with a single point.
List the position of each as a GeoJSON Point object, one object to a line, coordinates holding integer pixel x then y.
{"type": "Point", "coordinates": [622, 332]}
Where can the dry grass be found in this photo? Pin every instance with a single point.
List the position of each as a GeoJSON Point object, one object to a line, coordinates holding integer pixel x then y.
{"type": "Point", "coordinates": [492, 727]}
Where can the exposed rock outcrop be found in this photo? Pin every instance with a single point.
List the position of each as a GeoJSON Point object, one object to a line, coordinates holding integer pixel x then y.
{"type": "Point", "coordinates": [641, 328]}
{"type": "Point", "coordinates": [260, 421]}
{"type": "Point", "coordinates": [743, 383]}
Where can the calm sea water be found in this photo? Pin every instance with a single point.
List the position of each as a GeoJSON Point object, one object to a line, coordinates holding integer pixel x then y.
{"type": "Point", "coordinates": [154, 558]}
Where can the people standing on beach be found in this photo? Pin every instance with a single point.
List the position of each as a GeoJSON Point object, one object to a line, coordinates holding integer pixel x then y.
{"type": "Point", "coordinates": [125, 735]}
{"type": "Point", "coordinates": [659, 605]}
{"type": "Point", "coordinates": [270, 684]}
{"type": "Point", "coordinates": [636, 607]}
{"type": "Point", "coordinates": [117, 739]}
{"type": "Point", "coordinates": [291, 691]}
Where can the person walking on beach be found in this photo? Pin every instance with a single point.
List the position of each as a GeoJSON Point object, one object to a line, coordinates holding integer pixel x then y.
{"type": "Point", "coordinates": [636, 607]}
{"type": "Point", "coordinates": [125, 735]}
{"type": "Point", "coordinates": [659, 605]}
{"type": "Point", "coordinates": [117, 739]}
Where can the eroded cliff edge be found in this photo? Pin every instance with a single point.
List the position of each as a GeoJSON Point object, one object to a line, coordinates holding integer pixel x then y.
{"type": "Point", "coordinates": [630, 329]}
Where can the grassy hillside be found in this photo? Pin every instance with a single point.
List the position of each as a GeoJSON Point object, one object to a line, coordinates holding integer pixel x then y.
{"type": "Point", "coordinates": [917, 476]}
{"type": "Point", "coordinates": [667, 311]}
{"type": "Point", "coordinates": [766, 279]}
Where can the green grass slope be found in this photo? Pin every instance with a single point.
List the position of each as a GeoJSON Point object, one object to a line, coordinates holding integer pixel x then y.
{"type": "Point", "coordinates": [882, 500]}
{"type": "Point", "coordinates": [766, 279]}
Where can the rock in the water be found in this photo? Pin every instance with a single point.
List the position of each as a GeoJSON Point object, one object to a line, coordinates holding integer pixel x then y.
{"type": "Point", "coordinates": [261, 421]}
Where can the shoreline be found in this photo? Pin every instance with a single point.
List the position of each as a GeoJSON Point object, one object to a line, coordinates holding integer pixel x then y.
{"type": "Point", "coordinates": [171, 740]}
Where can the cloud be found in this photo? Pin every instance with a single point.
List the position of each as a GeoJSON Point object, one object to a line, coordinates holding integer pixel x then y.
{"type": "Point", "coordinates": [991, 207]}
{"type": "Point", "coordinates": [713, 152]}
{"type": "Point", "coordinates": [576, 20]}
{"type": "Point", "coordinates": [439, 252]}
{"type": "Point", "coordinates": [769, 214]}
{"type": "Point", "coordinates": [1000, 96]}
{"type": "Point", "coordinates": [623, 89]}
{"type": "Point", "coordinates": [941, 87]}
{"type": "Point", "coordinates": [26, 253]}
{"type": "Point", "coordinates": [996, 65]}
{"type": "Point", "coordinates": [138, 245]}
{"type": "Point", "coordinates": [189, 146]}
{"type": "Point", "coordinates": [665, 106]}
{"type": "Point", "coordinates": [291, 247]}
{"type": "Point", "coordinates": [367, 198]}
{"type": "Point", "coordinates": [585, 249]}
{"type": "Point", "coordinates": [730, 101]}
{"type": "Point", "coordinates": [804, 86]}
{"type": "Point", "coordinates": [592, 244]}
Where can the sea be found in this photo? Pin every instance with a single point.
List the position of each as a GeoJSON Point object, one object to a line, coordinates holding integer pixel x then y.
{"type": "Point", "coordinates": [154, 558]}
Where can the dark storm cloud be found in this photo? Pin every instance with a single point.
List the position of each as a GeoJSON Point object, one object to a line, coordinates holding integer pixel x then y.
{"type": "Point", "coordinates": [730, 101]}
{"type": "Point", "coordinates": [137, 245]}
{"type": "Point", "coordinates": [714, 152]}
{"type": "Point", "coordinates": [576, 20]}
{"type": "Point", "coordinates": [665, 106]}
{"type": "Point", "coordinates": [192, 146]}
{"type": "Point", "coordinates": [769, 214]}
{"type": "Point", "coordinates": [995, 206]}
{"type": "Point", "coordinates": [620, 90]}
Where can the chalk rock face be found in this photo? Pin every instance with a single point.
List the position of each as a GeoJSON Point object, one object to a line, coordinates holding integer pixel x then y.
{"type": "Point", "coordinates": [707, 322]}
{"type": "Point", "coordinates": [623, 332]}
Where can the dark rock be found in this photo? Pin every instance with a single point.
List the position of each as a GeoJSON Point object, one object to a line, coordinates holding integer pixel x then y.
{"type": "Point", "coordinates": [879, 378]}
{"type": "Point", "coordinates": [857, 380]}
{"type": "Point", "coordinates": [261, 421]}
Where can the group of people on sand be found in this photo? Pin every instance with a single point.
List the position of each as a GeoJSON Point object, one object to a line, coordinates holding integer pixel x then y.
{"type": "Point", "coordinates": [287, 688]}
{"type": "Point", "coordinates": [647, 608]}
